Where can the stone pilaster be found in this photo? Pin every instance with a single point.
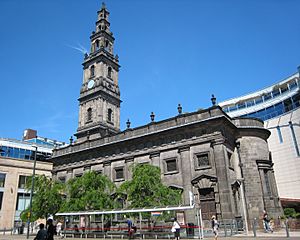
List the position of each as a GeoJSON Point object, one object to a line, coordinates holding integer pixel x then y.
{"type": "Point", "coordinates": [69, 174]}
{"type": "Point", "coordinates": [128, 171]}
{"type": "Point", "coordinates": [185, 162]}
{"type": "Point", "coordinates": [107, 169]}
{"type": "Point", "coordinates": [155, 158]}
{"type": "Point", "coordinates": [223, 197]}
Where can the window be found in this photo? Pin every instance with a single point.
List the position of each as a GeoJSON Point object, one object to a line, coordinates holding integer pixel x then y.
{"type": "Point", "coordinates": [202, 160]}
{"type": "Point", "coordinates": [78, 175]}
{"type": "Point", "coordinates": [232, 108]}
{"type": "Point", "coordinates": [2, 179]}
{"type": "Point", "coordinates": [1, 198]}
{"type": "Point", "coordinates": [109, 70]}
{"type": "Point", "coordinates": [284, 89]}
{"type": "Point", "coordinates": [250, 103]}
{"type": "Point", "coordinates": [97, 44]}
{"type": "Point", "coordinates": [119, 173]}
{"type": "Point", "coordinates": [92, 71]}
{"type": "Point", "coordinates": [23, 200]}
{"type": "Point", "coordinates": [109, 115]}
{"type": "Point", "coordinates": [171, 165]}
{"type": "Point", "coordinates": [22, 181]}
{"type": "Point", "coordinates": [293, 85]}
{"type": "Point", "coordinates": [268, 187]}
{"type": "Point", "coordinates": [275, 93]}
{"type": "Point", "coordinates": [258, 100]}
{"type": "Point", "coordinates": [267, 96]}
{"type": "Point", "coordinates": [89, 115]}
{"type": "Point", "coordinates": [87, 168]}
{"type": "Point", "coordinates": [241, 105]}
{"type": "Point", "coordinates": [62, 179]}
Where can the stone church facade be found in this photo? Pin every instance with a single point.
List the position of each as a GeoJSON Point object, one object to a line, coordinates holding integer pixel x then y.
{"type": "Point", "coordinates": [223, 161]}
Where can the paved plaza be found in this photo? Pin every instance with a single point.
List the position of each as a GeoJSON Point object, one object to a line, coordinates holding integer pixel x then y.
{"type": "Point", "coordinates": [260, 236]}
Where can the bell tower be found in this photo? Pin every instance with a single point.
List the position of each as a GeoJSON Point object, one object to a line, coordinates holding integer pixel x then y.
{"type": "Point", "coordinates": [99, 100]}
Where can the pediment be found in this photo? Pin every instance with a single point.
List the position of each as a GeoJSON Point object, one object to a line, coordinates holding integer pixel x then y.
{"type": "Point", "coordinates": [204, 181]}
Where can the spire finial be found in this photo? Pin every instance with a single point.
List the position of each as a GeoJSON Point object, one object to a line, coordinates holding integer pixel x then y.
{"type": "Point", "coordinates": [103, 5]}
{"type": "Point", "coordinates": [152, 116]}
{"type": "Point", "coordinates": [213, 99]}
{"type": "Point", "coordinates": [179, 108]}
{"type": "Point", "coordinates": [128, 123]}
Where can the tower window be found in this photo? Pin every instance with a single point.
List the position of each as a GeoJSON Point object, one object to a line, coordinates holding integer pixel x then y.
{"type": "Point", "coordinates": [109, 115]}
{"type": "Point", "coordinates": [97, 44]}
{"type": "Point", "coordinates": [89, 115]}
{"type": "Point", "coordinates": [92, 71]}
{"type": "Point", "coordinates": [106, 43]}
{"type": "Point", "coordinates": [109, 72]}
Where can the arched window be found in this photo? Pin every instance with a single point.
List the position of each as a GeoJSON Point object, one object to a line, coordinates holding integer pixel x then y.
{"type": "Point", "coordinates": [109, 115]}
{"type": "Point", "coordinates": [89, 115]}
{"type": "Point", "coordinates": [109, 72]}
{"type": "Point", "coordinates": [92, 73]}
{"type": "Point", "coordinates": [97, 44]}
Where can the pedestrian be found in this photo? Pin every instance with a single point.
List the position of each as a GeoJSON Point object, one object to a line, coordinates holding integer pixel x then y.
{"type": "Point", "coordinates": [42, 233]}
{"type": "Point", "coordinates": [50, 230]}
{"type": "Point", "coordinates": [176, 229]}
{"type": "Point", "coordinates": [130, 229]}
{"type": "Point", "coordinates": [215, 226]}
{"type": "Point", "coordinates": [266, 222]}
{"type": "Point", "coordinates": [59, 228]}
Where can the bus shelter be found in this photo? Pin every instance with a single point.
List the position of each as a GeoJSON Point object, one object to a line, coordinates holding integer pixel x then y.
{"type": "Point", "coordinates": [93, 229]}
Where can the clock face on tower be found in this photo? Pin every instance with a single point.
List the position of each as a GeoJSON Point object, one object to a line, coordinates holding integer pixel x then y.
{"type": "Point", "coordinates": [91, 83]}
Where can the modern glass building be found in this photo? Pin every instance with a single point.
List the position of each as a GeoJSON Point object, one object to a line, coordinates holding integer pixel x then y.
{"type": "Point", "coordinates": [279, 107]}
{"type": "Point", "coordinates": [16, 164]}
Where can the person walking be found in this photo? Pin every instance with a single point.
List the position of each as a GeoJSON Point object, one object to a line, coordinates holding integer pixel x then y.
{"type": "Point", "coordinates": [215, 226]}
{"type": "Point", "coordinates": [42, 233]}
{"type": "Point", "coordinates": [176, 229]}
{"type": "Point", "coordinates": [51, 230]}
{"type": "Point", "coordinates": [59, 228]}
{"type": "Point", "coordinates": [130, 229]}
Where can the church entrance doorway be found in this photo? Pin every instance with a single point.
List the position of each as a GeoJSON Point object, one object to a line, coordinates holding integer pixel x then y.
{"type": "Point", "coordinates": [207, 203]}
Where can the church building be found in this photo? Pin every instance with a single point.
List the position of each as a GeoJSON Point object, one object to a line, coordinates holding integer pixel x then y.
{"type": "Point", "coordinates": [225, 162]}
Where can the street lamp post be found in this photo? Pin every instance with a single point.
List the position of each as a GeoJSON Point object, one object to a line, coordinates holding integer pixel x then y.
{"type": "Point", "coordinates": [31, 193]}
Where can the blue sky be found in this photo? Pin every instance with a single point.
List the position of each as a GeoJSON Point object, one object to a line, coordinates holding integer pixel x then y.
{"type": "Point", "coordinates": [171, 51]}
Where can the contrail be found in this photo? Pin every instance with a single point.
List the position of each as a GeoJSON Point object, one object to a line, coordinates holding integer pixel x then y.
{"type": "Point", "coordinates": [80, 48]}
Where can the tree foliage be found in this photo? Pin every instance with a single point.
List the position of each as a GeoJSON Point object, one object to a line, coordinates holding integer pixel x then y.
{"type": "Point", "coordinates": [146, 189]}
{"type": "Point", "coordinates": [47, 198]}
{"type": "Point", "coordinates": [89, 192]}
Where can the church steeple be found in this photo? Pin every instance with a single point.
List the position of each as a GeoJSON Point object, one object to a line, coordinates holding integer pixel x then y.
{"type": "Point", "coordinates": [99, 109]}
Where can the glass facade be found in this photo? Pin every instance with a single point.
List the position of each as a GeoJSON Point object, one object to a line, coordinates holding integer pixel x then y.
{"type": "Point", "coordinates": [20, 153]}
{"type": "Point", "coordinates": [277, 109]}
{"type": "Point", "coordinates": [292, 86]}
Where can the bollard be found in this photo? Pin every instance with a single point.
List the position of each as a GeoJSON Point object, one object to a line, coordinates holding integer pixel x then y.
{"type": "Point", "coordinates": [231, 226]}
{"type": "Point", "coordinates": [254, 227]}
{"type": "Point", "coordinates": [287, 229]}
{"type": "Point", "coordinates": [225, 230]}
{"type": "Point", "coordinates": [4, 231]}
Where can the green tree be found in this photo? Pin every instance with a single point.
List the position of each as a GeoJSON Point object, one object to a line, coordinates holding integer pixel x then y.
{"type": "Point", "coordinates": [89, 192]}
{"type": "Point", "coordinates": [146, 189]}
{"type": "Point", "coordinates": [47, 198]}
